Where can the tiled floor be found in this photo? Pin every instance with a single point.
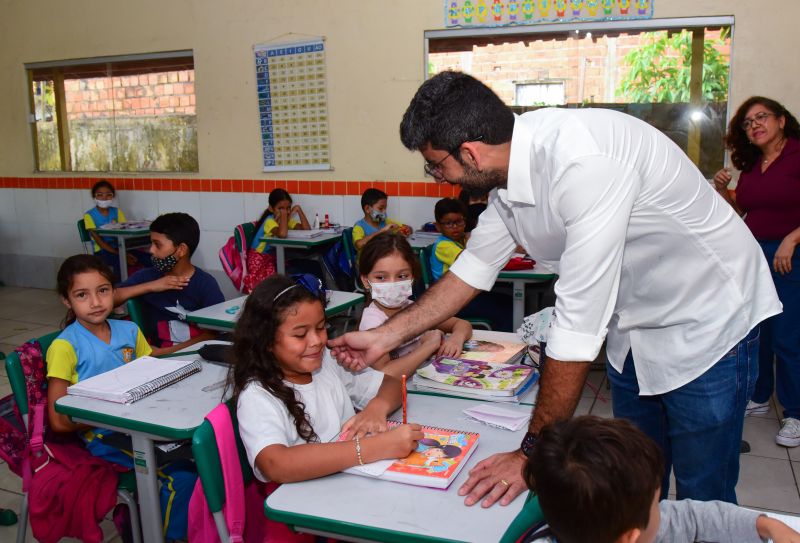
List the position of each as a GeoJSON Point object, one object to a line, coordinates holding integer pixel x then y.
{"type": "Point", "coordinates": [768, 477]}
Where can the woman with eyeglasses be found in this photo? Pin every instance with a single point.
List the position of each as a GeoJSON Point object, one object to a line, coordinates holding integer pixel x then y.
{"type": "Point", "coordinates": [764, 140]}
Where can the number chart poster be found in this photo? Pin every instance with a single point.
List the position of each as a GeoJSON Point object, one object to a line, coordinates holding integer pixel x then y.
{"type": "Point", "coordinates": [293, 106]}
{"type": "Point", "coordinates": [468, 13]}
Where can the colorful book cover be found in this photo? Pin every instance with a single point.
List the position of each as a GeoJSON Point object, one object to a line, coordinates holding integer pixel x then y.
{"type": "Point", "coordinates": [493, 352]}
{"type": "Point", "coordinates": [475, 375]}
{"type": "Point", "coordinates": [436, 462]}
{"type": "Point", "coordinates": [438, 454]}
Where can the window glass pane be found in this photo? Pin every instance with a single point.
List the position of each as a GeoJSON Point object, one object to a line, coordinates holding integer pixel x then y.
{"type": "Point", "coordinates": [644, 74]}
{"type": "Point", "coordinates": [90, 115]}
{"type": "Point", "coordinates": [44, 111]}
{"type": "Point", "coordinates": [131, 116]}
{"type": "Point", "coordinates": [155, 123]}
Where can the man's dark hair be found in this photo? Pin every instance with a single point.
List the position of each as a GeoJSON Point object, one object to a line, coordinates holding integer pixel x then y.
{"type": "Point", "coordinates": [603, 472]}
{"type": "Point", "coordinates": [179, 228]}
{"type": "Point", "coordinates": [448, 205]}
{"type": "Point", "coordinates": [372, 197]}
{"type": "Point", "coordinates": [452, 108]}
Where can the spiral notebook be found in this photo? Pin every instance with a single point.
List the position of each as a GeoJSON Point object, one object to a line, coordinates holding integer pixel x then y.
{"type": "Point", "coordinates": [135, 380]}
{"type": "Point", "coordinates": [436, 462]}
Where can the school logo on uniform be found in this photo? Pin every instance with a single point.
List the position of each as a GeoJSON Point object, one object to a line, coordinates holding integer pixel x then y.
{"type": "Point", "coordinates": [127, 354]}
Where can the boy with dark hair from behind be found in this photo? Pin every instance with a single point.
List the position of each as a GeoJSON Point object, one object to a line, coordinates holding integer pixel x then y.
{"type": "Point", "coordinates": [375, 221]}
{"type": "Point", "coordinates": [173, 285]}
{"type": "Point", "coordinates": [450, 217]}
{"type": "Point", "coordinates": [599, 480]}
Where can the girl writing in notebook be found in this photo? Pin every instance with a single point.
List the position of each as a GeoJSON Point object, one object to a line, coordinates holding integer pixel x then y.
{"type": "Point", "coordinates": [293, 398]}
{"type": "Point", "coordinates": [92, 344]}
{"type": "Point", "coordinates": [388, 269]}
{"type": "Point", "coordinates": [278, 218]}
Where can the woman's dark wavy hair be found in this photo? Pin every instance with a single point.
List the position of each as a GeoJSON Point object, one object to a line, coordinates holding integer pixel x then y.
{"type": "Point", "coordinates": [254, 340]}
{"type": "Point", "coordinates": [71, 267]}
{"type": "Point", "coordinates": [275, 197]}
{"type": "Point", "coordinates": [744, 154]}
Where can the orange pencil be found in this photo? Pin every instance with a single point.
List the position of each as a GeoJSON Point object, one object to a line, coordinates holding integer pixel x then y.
{"type": "Point", "coordinates": [405, 401]}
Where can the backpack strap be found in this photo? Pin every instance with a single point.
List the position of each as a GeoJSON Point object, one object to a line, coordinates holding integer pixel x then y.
{"type": "Point", "coordinates": [234, 510]}
{"type": "Point", "coordinates": [245, 245]}
{"type": "Point", "coordinates": [32, 360]}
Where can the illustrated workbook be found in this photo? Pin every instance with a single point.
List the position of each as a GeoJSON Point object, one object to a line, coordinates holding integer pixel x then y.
{"type": "Point", "coordinates": [436, 462]}
{"type": "Point", "coordinates": [480, 377]}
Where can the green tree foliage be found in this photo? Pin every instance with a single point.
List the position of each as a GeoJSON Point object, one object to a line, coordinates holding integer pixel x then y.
{"type": "Point", "coordinates": [660, 69]}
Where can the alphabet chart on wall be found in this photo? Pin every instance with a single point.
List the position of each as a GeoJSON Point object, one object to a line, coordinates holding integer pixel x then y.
{"type": "Point", "coordinates": [293, 105]}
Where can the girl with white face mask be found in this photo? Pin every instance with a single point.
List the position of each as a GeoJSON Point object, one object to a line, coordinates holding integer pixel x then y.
{"type": "Point", "coordinates": [105, 212]}
{"type": "Point", "coordinates": [388, 268]}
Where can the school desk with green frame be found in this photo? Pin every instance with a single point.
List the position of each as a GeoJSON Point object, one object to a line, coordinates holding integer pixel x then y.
{"type": "Point", "coordinates": [356, 508]}
{"type": "Point", "coordinates": [223, 316]}
{"type": "Point", "coordinates": [281, 244]}
{"type": "Point", "coordinates": [518, 280]}
{"type": "Point", "coordinates": [168, 415]}
{"type": "Point", "coordinates": [124, 232]}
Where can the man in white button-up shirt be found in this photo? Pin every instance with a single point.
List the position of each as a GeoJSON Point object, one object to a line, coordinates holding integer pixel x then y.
{"type": "Point", "coordinates": [649, 258]}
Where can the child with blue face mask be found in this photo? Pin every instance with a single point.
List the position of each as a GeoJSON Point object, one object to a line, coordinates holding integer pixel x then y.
{"type": "Point", "coordinates": [375, 221]}
{"type": "Point", "coordinates": [173, 285]}
{"type": "Point", "coordinates": [388, 269]}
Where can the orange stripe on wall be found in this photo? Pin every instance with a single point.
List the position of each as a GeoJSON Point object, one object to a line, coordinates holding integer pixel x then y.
{"type": "Point", "coordinates": [334, 188]}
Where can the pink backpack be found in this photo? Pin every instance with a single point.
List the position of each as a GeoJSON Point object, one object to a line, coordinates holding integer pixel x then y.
{"type": "Point", "coordinates": [233, 255]}
{"type": "Point", "coordinates": [244, 505]}
{"type": "Point", "coordinates": [17, 444]}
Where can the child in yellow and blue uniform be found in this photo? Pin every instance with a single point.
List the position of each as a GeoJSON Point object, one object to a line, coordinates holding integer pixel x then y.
{"type": "Point", "coordinates": [375, 221]}
{"type": "Point", "coordinates": [450, 222]}
{"type": "Point", "coordinates": [104, 213]}
{"type": "Point", "coordinates": [279, 217]}
{"type": "Point", "coordinates": [90, 345]}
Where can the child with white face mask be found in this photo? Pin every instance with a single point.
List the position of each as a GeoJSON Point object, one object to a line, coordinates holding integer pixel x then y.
{"type": "Point", "coordinates": [388, 269]}
{"type": "Point", "coordinates": [105, 212]}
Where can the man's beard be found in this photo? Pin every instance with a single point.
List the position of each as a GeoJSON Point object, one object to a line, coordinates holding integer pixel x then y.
{"type": "Point", "coordinates": [481, 181]}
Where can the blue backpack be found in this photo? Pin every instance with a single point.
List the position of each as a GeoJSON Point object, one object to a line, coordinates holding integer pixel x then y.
{"type": "Point", "coordinates": [338, 265]}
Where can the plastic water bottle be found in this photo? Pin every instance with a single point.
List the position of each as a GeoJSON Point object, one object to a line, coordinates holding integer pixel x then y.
{"type": "Point", "coordinates": [315, 226]}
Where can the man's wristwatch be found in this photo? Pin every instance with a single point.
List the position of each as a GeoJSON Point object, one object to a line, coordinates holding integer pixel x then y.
{"type": "Point", "coordinates": [528, 443]}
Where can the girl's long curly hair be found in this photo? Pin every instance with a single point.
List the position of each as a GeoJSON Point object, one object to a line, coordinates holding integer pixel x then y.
{"type": "Point", "coordinates": [254, 341]}
{"type": "Point", "coordinates": [744, 154]}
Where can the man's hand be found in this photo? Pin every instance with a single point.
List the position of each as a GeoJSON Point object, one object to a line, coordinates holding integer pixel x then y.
{"type": "Point", "coordinates": [357, 350]}
{"type": "Point", "coordinates": [498, 477]}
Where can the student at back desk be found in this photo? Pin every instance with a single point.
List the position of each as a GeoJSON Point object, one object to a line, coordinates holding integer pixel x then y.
{"type": "Point", "coordinates": [173, 282]}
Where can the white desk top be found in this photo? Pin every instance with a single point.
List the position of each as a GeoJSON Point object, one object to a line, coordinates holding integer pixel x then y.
{"type": "Point", "coordinates": [171, 413]}
{"type": "Point", "coordinates": [364, 508]}
{"type": "Point", "coordinates": [223, 316]}
{"type": "Point", "coordinates": [297, 242]}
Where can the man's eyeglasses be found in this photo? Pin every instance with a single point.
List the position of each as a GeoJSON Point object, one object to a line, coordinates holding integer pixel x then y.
{"type": "Point", "coordinates": [454, 224]}
{"type": "Point", "coordinates": [435, 169]}
{"type": "Point", "coordinates": [759, 118]}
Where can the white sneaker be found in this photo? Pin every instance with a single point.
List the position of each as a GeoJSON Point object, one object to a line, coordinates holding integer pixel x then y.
{"type": "Point", "coordinates": [789, 434]}
{"type": "Point", "coordinates": [754, 408]}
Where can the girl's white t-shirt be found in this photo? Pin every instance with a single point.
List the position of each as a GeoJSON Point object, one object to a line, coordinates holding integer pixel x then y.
{"type": "Point", "coordinates": [329, 399]}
